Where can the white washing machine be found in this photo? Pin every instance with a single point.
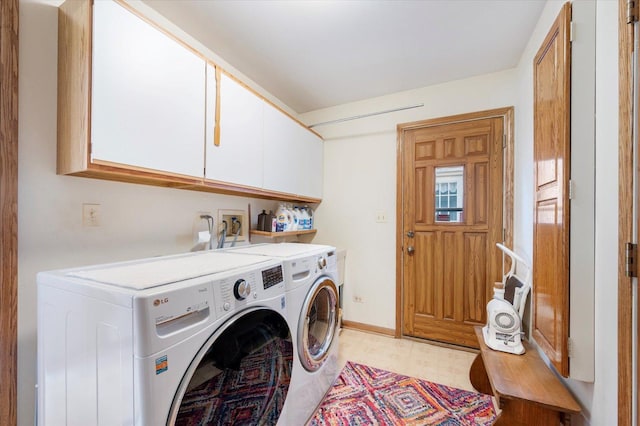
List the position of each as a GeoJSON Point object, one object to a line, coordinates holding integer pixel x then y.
{"type": "Point", "coordinates": [200, 338]}
{"type": "Point", "coordinates": [310, 272]}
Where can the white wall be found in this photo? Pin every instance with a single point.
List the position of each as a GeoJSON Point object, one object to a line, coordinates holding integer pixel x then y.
{"type": "Point", "coordinates": [137, 221]}
{"type": "Point", "coordinates": [360, 181]}
{"type": "Point", "coordinates": [604, 402]}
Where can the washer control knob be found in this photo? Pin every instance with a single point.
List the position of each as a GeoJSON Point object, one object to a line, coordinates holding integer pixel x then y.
{"type": "Point", "coordinates": [226, 306]}
{"type": "Point", "coordinates": [241, 289]}
{"type": "Point", "coordinates": [322, 262]}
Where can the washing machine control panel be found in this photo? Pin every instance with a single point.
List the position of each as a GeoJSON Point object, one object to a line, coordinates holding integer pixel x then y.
{"type": "Point", "coordinates": [244, 288]}
{"type": "Point", "coordinates": [241, 289]}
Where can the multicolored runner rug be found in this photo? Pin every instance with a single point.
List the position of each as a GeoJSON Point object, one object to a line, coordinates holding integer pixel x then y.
{"type": "Point", "coordinates": [364, 395]}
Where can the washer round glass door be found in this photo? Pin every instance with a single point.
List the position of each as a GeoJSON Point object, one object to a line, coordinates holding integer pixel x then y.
{"type": "Point", "coordinates": [240, 376]}
{"type": "Point", "coordinates": [318, 323]}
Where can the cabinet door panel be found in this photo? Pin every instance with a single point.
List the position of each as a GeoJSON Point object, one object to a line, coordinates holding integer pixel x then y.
{"type": "Point", "coordinates": [313, 148]}
{"type": "Point", "coordinates": [293, 156]}
{"type": "Point", "coordinates": [282, 169]}
{"type": "Point", "coordinates": [238, 158]}
{"type": "Point", "coordinates": [147, 106]}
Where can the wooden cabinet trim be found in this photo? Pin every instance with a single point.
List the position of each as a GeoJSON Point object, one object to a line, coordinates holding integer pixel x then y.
{"type": "Point", "coordinates": [74, 86]}
{"type": "Point", "coordinates": [124, 173]}
{"type": "Point", "coordinates": [283, 234]}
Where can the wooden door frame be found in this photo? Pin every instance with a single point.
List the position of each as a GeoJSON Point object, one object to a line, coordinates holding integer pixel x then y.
{"type": "Point", "coordinates": [625, 216]}
{"type": "Point", "coordinates": [8, 209]}
{"type": "Point", "coordinates": [508, 172]}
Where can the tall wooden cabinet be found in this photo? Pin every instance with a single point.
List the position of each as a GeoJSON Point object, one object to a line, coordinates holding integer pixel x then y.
{"type": "Point", "coordinates": [136, 104]}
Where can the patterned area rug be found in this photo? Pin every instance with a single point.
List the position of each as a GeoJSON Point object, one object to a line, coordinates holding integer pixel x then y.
{"type": "Point", "coordinates": [363, 395]}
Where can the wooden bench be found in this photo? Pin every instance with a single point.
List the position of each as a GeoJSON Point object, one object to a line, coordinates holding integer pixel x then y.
{"type": "Point", "coordinates": [525, 389]}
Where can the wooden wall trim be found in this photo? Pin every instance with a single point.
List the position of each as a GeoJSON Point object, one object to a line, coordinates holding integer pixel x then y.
{"type": "Point", "coordinates": [625, 216]}
{"type": "Point", "coordinates": [368, 328]}
{"type": "Point", "coordinates": [399, 232]}
{"type": "Point", "coordinates": [8, 210]}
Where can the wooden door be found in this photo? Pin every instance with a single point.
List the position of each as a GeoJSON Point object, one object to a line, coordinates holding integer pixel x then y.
{"type": "Point", "coordinates": [628, 176]}
{"type": "Point", "coordinates": [551, 176]}
{"type": "Point", "coordinates": [450, 259]}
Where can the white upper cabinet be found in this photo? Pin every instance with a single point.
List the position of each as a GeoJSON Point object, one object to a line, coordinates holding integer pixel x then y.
{"type": "Point", "coordinates": [281, 165]}
{"type": "Point", "coordinates": [148, 95]}
{"type": "Point", "coordinates": [293, 156]}
{"type": "Point", "coordinates": [238, 158]}
{"type": "Point", "coordinates": [137, 105]}
{"type": "Point", "coordinates": [313, 148]}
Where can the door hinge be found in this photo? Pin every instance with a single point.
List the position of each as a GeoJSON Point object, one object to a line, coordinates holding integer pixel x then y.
{"type": "Point", "coordinates": [570, 347]}
{"type": "Point", "coordinates": [571, 28]}
{"type": "Point", "coordinates": [630, 266]}
{"type": "Point", "coordinates": [632, 11]}
{"type": "Point", "coordinates": [504, 141]}
{"type": "Point", "coordinates": [570, 189]}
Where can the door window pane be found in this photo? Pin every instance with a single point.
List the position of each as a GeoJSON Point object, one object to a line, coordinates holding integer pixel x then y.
{"type": "Point", "coordinates": [449, 189]}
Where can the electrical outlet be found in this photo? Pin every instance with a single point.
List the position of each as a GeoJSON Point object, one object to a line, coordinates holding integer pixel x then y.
{"type": "Point", "coordinates": [381, 216]}
{"type": "Point", "coordinates": [236, 224]}
{"type": "Point", "coordinates": [91, 215]}
{"type": "Point", "coordinates": [357, 299]}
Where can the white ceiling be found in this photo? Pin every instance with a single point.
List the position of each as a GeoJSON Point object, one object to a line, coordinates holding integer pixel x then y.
{"type": "Point", "coordinates": [313, 54]}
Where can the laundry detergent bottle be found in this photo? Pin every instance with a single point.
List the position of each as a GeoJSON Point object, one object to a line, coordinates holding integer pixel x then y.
{"type": "Point", "coordinates": [310, 213]}
{"type": "Point", "coordinates": [282, 219]}
{"type": "Point", "coordinates": [297, 219]}
{"type": "Point", "coordinates": [304, 218]}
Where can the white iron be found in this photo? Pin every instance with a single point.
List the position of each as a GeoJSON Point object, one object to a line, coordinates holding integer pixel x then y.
{"type": "Point", "coordinates": [503, 331]}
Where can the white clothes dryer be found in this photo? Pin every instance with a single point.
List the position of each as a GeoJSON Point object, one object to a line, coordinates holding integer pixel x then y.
{"type": "Point", "coordinates": [200, 338]}
{"type": "Point", "coordinates": [310, 272]}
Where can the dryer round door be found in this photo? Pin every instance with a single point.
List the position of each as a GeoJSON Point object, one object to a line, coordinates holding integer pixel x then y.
{"type": "Point", "coordinates": [240, 376]}
{"type": "Point", "coordinates": [318, 323]}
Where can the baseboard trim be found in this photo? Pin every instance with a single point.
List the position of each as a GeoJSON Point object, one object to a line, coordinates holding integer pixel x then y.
{"type": "Point", "coordinates": [368, 328]}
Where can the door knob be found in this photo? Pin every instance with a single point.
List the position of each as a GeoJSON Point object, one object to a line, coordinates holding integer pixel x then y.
{"type": "Point", "coordinates": [410, 249]}
{"type": "Point", "coordinates": [410, 234]}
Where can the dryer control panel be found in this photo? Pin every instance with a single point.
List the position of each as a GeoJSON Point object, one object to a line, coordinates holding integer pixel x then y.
{"type": "Point", "coordinates": [272, 276]}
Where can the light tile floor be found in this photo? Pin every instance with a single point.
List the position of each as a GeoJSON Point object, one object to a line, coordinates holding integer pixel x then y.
{"type": "Point", "coordinates": [408, 357]}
